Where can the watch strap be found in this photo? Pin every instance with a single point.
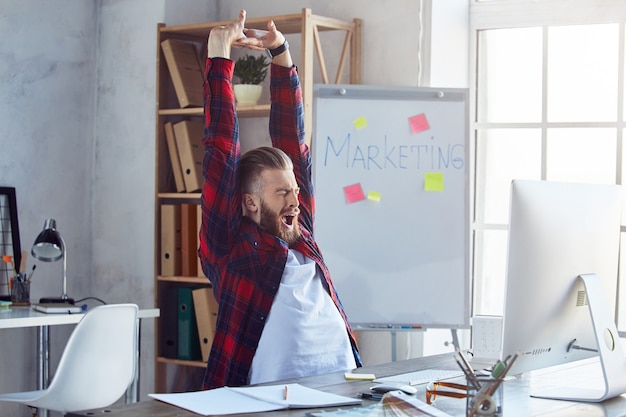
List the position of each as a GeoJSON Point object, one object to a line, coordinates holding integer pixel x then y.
{"type": "Point", "coordinates": [277, 51]}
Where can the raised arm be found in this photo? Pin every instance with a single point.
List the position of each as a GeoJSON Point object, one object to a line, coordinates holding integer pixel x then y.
{"type": "Point", "coordinates": [221, 198]}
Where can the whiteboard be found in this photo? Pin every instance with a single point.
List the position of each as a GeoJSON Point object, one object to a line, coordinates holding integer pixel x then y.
{"type": "Point", "coordinates": [390, 170]}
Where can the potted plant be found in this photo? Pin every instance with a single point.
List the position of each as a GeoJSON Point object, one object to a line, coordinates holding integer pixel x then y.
{"type": "Point", "coordinates": [251, 71]}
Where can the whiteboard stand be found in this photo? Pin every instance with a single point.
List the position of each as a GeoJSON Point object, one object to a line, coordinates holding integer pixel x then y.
{"type": "Point", "coordinates": [393, 332]}
{"type": "Point", "coordinates": [455, 340]}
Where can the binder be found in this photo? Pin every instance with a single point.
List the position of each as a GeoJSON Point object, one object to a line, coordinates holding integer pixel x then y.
{"type": "Point", "coordinates": [186, 71]}
{"type": "Point", "coordinates": [177, 171]}
{"type": "Point", "coordinates": [169, 323]}
{"type": "Point", "coordinates": [199, 226]}
{"type": "Point", "coordinates": [189, 239]}
{"type": "Point", "coordinates": [188, 339]}
{"type": "Point", "coordinates": [206, 318]}
{"type": "Point", "coordinates": [188, 136]}
{"type": "Point", "coordinates": [170, 240]}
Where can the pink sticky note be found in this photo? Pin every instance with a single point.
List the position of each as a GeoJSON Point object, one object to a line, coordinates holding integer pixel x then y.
{"type": "Point", "coordinates": [419, 123]}
{"type": "Point", "coordinates": [353, 193]}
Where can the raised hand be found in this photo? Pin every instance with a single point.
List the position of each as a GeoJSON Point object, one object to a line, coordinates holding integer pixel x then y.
{"type": "Point", "coordinates": [262, 39]}
{"type": "Point", "coordinates": [221, 38]}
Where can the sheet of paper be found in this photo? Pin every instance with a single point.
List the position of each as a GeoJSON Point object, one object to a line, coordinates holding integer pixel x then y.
{"type": "Point", "coordinates": [298, 396]}
{"type": "Point", "coordinates": [218, 401]}
{"type": "Point", "coordinates": [230, 400]}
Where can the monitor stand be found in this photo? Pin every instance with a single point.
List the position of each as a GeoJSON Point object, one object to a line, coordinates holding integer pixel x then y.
{"type": "Point", "coordinates": [612, 358]}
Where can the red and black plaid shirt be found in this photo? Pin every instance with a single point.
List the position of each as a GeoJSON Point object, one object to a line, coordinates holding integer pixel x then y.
{"type": "Point", "coordinates": [243, 262]}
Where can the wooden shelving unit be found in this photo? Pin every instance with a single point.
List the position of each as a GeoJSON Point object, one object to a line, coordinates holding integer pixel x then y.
{"type": "Point", "coordinates": [308, 26]}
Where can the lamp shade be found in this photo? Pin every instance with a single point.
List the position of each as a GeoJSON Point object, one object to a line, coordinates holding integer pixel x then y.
{"type": "Point", "coordinates": [48, 246]}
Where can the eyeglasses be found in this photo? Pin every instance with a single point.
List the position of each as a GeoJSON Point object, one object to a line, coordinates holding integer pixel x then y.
{"type": "Point", "coordinates": [432, 391]}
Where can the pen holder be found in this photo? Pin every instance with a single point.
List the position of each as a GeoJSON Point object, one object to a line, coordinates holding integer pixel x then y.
{"type": "Point", "coordinates": [485, 400]}
{"type": "Point", "coordinates": [20, 290]}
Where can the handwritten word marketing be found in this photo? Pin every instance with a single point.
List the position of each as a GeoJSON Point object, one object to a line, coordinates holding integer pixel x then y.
{"type": "Point", "coordinates": [387, 155]}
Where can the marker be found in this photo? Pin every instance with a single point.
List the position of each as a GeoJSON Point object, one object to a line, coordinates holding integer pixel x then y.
{"type": "Point", "coordinates": [286, 393]}
{"type": "Point", "coordinates": [497, 369]}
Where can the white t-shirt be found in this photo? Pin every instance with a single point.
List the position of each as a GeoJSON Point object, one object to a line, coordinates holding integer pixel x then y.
{"type": "Point", "coordinates": [304, 334]}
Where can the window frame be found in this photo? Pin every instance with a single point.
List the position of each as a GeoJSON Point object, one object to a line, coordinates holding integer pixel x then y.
{"type": "Point", "coordinates": [506, 14]}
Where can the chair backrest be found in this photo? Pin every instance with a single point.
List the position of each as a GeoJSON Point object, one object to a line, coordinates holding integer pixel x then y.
{"type": "Point", "coordinates": [99, 360]}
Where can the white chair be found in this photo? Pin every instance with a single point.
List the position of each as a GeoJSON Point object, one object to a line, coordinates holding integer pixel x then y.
{"type": "Point", "coordinates": [97, 365]}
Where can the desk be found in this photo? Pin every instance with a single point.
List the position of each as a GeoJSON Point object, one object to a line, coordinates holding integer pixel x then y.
{"type": "Point", "coordinates": [19, 317]}
{"type": "Point", "coordinates": [517, 402]}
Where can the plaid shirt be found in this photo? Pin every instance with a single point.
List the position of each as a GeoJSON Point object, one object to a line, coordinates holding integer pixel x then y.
{"type": "Point", "coordinates": [243, 262]}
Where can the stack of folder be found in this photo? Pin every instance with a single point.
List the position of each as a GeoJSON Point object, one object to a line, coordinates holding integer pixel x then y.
{"type": "Point", "coordinates": [184, 145]}
{"type": "Point", "coordinates": [186, 71]}
{"type": "Point", "coordinates": [205, 307]}
{"type": "Point", "coordinates": [188, 323]}
{"type": "Point", "coordinates": [180, 235]}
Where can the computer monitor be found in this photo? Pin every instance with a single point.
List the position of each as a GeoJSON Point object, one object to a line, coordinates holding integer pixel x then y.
{"type": "Point", "coordinates": [561, 286]}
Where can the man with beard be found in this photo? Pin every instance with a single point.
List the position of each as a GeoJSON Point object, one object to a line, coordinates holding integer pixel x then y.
{"type": "Point", "coordinates": [279, 315]}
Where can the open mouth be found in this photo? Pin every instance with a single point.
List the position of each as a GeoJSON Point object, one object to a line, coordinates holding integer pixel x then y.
{"type": "Point", "coordinates": [289, 219]}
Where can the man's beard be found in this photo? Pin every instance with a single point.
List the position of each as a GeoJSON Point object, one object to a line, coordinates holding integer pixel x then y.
{"type": "Point", "coordinates": [270, 221]}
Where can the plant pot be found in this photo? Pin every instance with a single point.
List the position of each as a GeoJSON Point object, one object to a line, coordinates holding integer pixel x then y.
{"type": "Point", "coordinates": [247, 94]}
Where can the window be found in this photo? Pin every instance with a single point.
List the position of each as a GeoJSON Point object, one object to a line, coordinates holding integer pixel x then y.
{"type": "Point", "coordinates": [548, 103]}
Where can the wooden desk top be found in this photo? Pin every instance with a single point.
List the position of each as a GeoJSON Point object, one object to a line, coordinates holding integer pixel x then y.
{"type": "Point", "coordinates": [517, 402]}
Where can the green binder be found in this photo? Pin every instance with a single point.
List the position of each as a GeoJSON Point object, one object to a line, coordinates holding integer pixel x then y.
{"type": "Point", "coordinates": [188, 339]}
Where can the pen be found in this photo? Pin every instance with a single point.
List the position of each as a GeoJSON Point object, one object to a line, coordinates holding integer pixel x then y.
{"type": "Point", "coordinates": [465, 361]}
{"type": "Point", "coordinates": [32, 272]}
{"type": "Point", "coordinates": [469, 375]}
{"type": "Point", "coordinates": [285, 393]}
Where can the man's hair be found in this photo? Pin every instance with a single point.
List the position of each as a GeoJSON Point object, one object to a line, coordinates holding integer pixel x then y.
{"type": "Point", "coordinates": [255, 161]}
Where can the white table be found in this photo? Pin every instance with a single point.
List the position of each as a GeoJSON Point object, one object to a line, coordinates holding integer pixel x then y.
{"type": "Point", "coordinates": [19, 317]}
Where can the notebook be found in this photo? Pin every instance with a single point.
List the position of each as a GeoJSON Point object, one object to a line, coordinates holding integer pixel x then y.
{"type": "Point", "coordinates": [58, 308]}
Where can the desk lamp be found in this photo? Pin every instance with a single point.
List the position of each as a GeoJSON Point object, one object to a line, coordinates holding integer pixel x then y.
{"type": "Point", "coordinates": [50, 247]}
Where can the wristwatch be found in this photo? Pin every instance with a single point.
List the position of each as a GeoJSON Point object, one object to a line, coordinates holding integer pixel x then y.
{"type": "Point", "coordinates": [271, 53]}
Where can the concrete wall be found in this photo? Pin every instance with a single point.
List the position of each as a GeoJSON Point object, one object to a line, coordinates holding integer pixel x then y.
{"type": "Point", "coordinates": [47, 57]}
{"type": "Point", "coordinates": [77, 124]}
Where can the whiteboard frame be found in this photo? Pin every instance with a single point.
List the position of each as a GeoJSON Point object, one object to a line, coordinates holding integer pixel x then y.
{"type": "Point", "coordinates": [341, 92]}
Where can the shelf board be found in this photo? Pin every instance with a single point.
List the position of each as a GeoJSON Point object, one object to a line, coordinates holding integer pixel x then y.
{"type": "Point", "coordinates": [194, 197]}
{"type": "Point", "coordinates": [259, 110]}
{"type": "Point", "coordinates": [189, 280]}
{"type": "Point", "coordinates": [187, 111]}
{"type": "Point", "coordinates": [199, 364]}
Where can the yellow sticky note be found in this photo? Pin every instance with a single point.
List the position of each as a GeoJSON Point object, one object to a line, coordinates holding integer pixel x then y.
{"type": "Point", "coordinates": [373, 196]}
{"type": "Point", "coordinates": [433, 181]}
{"type": "Point", "coordinates": [360, 122]}
{"type": "Point", "coordinates": [359, 377]}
